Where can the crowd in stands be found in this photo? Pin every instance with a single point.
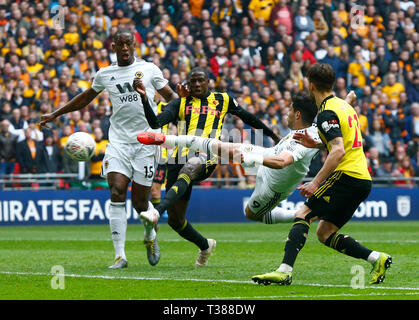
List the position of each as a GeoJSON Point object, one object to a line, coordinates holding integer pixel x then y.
{"type": "Point", "coordinates": [256, 50]}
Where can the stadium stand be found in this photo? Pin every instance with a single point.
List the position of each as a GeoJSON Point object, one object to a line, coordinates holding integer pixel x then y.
{"type": "Point", "coordinates": [259, 51]}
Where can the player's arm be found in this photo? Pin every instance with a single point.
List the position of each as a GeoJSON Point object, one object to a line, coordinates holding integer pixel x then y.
{"type": "Point", "coordinates": [251, 119]}
{"type": "Point", "coordinates": [169, 113]}
{"type": "Point", "coordinates": [167, 93]}
{"type": "Point", "coordinates": [279, 161]}
{"type": "Point", "coordinates": [78, 102]}
{"type": "Point", "coordinates": [329, 126]}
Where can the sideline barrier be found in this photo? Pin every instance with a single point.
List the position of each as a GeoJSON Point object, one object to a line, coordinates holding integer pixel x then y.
{"type": "Point", "coordinates": [206, 205]}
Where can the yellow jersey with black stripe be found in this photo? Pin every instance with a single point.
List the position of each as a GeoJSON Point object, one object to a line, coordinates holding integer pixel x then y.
{"type": "Point", "coordinates": [165, 129]}
{"type": "Point", "coordinates": [337, 118]}
{"type": "Point", "coordinates": [202, 117]}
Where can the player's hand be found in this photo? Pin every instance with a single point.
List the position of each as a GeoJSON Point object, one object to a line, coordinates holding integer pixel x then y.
{"type": "Point", "coordinates": [351, 98]}
{"type": "Point", "coordinates": [305, 139]}
{"type": "Point", "coordinates": [183, 90]}
{"type": "Point", "coordinates": [48, 117]}
{"type": "Point", "coordinates": [308, 189]}
{"type": "Point", "coordinates": [138, 86]}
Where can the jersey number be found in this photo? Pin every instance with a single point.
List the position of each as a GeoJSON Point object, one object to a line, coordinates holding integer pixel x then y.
{"type": "Point", "coordinates": [357, 142]}
{"type": "Point", "coordinates": [149, 172]}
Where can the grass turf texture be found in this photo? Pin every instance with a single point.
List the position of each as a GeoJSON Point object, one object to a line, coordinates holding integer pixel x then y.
{"type": "Point", "coordinates": [243, 250]}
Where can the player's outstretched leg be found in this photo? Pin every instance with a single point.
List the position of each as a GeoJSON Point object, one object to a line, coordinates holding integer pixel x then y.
{"type": "Point", "coordinates": [202, 144]}
{"type": "Point", "coordinates": [279, 215]}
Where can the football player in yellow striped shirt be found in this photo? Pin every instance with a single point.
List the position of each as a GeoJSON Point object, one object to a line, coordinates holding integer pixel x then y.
{"type": "Point", "coordinates": [338, 188]}
{"type": "Point", "coordinates": [200, 114]}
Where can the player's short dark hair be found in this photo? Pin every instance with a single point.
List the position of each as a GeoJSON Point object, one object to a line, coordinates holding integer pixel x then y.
{"type": "Point", "coordinates": [200, 70]}
{"type": "Point", "coordinates": [122, 31]}
{"type": "Point", "coordinates": [305, 104]}
{"type": "Point", "coordinates": [322, 75]}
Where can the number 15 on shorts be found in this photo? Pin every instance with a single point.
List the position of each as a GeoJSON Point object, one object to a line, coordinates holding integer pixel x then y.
{"type": "Point", "coordinates": [149, 171]}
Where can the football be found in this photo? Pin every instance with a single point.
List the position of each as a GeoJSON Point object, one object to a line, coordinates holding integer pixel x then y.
{"type": "Point", "coordinates": [80, 146]}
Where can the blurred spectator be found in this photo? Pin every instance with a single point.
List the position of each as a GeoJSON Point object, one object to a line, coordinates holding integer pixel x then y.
{"type": "Point", "coordinates": [385, 169]}
{"type": "Point", "coordinates": [394, 121]}
{"type": "Point", "coordinates": [260, 9]}
{"type": "Point", "coordinates": [30, 154]}
{"type": "Point", "coordinates": [37, 135]}
{"type": "Point", "coordinates": [303, 24]}
{"type": "Point", "coordinates": [52, 155]}
{"type": "Point", "coordinates": [282, 15]}
{"type": "Point", "coordinates": [96, 160]}
{"type": "Point", "coordinates": [8, 142]}
{"type": "Point", "coordinates": [379, 139]}
{"type": "Point", "coordinates": [404, 169]}
{"type": "Point", "coordinates": [412, 90]}
{"type": "Point", "coordinates": [393, 88]}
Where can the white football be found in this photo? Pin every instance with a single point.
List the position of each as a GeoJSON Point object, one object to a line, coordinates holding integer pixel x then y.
{"type": "Point", "coordinates": [80, 146]}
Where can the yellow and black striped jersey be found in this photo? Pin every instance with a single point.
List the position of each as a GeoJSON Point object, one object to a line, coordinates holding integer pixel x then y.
{"type": "Point", "coordinates": [202, 116]}
{"type": "Point", "coordinates": [337, 118]}
{"type": "Point", "coordinates": [165, 129]}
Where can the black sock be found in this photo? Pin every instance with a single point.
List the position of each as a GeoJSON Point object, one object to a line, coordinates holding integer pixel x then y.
{"type": "Point", "coordinates": [189, 233]}
{"type": "Point", "coordinates": [175, 192]}
{"type": "Point", "coordinates": [296, 240]}
{"type": "Point", "coordinates": [347, 245]}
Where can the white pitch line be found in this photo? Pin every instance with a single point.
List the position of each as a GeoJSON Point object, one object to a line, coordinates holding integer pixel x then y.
{"type": "Point", "coordinates": [303, 296]}
{"type": "Point", "coordinates": [182, 240]}
{"type": "Point", "coordinates": [194, 280]}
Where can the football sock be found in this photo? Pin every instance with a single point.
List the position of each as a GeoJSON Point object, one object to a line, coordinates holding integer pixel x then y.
{"type": "Point", "coordinates": [278, 215]}
{"type": "Point", "coordinates": [189, 233]}
{"type": "Point", "coordinates": [200, 143]}
{"type": "Point", "coordinates": [155, 201]}
{"type": "Point", "coordinates": [347, 245]}
{"type": "Point", "coordinates": [373, 257]}
{"type": "Point", "coordinates": [118, 225]}
{"type": "Point", "coordinates": [175, 192]}
{"type": "Point", "coordinates": [284, 268]}
{"type": "Point", "coordinates": [149, 232]}
{"type": "Point", "coordinates": [295, 241]}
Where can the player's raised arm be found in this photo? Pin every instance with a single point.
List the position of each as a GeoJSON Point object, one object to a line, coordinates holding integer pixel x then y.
{"type": "Point", "coordinates": [78, 102]}
{"type": "Point", "coordinates": [279, 161]}
{"type": "Point", "coordinates": [168, 115]}
{"type": "Point", "coordinates": [251, 119]}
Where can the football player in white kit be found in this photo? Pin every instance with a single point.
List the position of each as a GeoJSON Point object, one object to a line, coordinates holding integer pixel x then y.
{"type": "Point", "coordinates": [125, 160]}
{"type": "Point", "coordinates": [278, 170]}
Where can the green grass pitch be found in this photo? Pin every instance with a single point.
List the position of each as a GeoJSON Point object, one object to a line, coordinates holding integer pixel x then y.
{"type": "Point", "coordinates": [27, 255]}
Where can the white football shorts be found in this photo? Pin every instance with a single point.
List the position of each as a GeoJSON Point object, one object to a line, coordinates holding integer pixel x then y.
{"type": "Point", "coordinates": [136, 161]}
{"type": "Point", "coordinates": [263, 198]}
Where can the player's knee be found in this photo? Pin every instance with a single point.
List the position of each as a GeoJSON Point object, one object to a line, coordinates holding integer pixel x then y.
{"type": "Point", "coordinates": [118, 193]}
{"type": "Point", "coordinates": [322, 236]}
{"type": "Point", "coordinates": [140, 205]}
{"type": "Point", "coordinates": [192, 168]}
{"type": "Point", "coordinates": [175, 223]}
